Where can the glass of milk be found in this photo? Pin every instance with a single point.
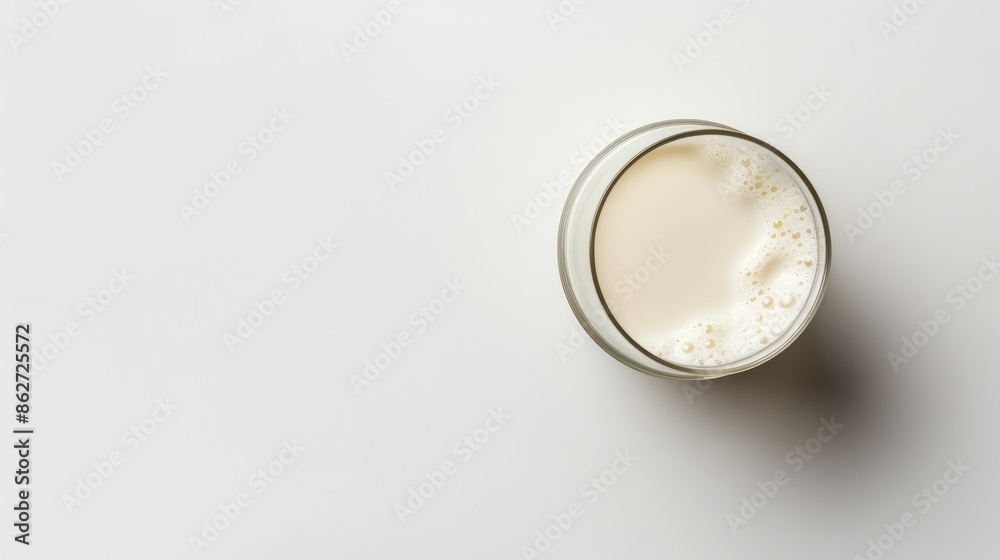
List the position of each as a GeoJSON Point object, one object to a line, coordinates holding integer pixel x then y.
{"type": "Point", "coordinates": [690, 250]}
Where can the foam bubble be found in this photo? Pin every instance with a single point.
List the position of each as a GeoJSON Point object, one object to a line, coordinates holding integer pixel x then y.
{"type": "Point", "coordinates": [774, 280]}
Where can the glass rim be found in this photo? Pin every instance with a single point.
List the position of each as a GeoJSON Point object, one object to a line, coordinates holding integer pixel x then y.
{"type": "Point", "coordinates": [709, 128]}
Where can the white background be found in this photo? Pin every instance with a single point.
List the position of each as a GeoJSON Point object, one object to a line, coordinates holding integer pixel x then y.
{"type": "Point", "coordinates": [699, 455]}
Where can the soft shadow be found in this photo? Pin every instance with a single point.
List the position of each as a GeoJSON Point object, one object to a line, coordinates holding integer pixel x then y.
{"type": "Point", "coordinates": [831, 370]}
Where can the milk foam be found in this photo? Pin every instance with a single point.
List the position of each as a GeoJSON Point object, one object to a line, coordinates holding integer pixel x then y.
{"type": "Point", "coordinates": [768, 286]}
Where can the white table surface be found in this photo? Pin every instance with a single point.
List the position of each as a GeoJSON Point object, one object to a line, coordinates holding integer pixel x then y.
{"type": "Point", "coordinates": [496, 347]}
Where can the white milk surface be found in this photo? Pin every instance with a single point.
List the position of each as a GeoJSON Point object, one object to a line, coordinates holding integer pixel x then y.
{"type": "Point", "coordinates": [705, 250]}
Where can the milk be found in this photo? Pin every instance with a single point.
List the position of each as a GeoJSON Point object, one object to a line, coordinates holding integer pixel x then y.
{"type": "Point", "coordinates": [705, 251]}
